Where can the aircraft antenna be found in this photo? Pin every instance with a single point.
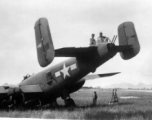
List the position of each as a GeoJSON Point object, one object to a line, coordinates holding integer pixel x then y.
{"type": "Point", "coordinates": [114, 38]}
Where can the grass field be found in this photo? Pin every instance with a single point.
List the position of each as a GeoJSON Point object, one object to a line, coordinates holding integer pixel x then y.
{"type": "Point", "coordinates": [128, 109]}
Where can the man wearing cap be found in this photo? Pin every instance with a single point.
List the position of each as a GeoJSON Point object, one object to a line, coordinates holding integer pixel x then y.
{"type": "Point", "coordinates": [101, 39]}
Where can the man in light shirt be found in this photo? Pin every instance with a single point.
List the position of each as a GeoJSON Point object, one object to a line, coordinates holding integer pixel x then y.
{"type": "Point", "coordinates": [101, 39]}
{"type": "Point", "coordinates": [92, 40]}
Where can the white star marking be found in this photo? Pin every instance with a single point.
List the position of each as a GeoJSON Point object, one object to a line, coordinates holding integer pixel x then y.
{"type": "Point", "coordinates": [74, 66]}
{"type": "Point", "coordinates": [57, 74]}
{"type": "Point", "coordinates": [65, 71]}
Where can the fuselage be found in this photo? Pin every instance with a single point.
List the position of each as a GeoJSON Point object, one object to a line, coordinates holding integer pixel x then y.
{"type": "Point", "coordinates": [63, 75]}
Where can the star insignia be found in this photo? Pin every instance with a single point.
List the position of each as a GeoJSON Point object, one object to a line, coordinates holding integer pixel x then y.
{"type": "Point", "coordinates": [65, 71]}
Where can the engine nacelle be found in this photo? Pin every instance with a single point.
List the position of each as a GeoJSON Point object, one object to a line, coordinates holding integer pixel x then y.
{"type": "Point", "coordinates": [19, 99]}
{"type": "Point", "coordinates": [127, 36]}
{"type": "Point", "coordinates": [7, 102]}
{"type": "Point", "coordinates": [76, 86]}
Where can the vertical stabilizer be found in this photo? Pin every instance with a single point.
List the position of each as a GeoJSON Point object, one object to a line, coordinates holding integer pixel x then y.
{"type": "Point", "coordinates": [44, 44]}
{"type": "Point", "coordinates": [127, 36]}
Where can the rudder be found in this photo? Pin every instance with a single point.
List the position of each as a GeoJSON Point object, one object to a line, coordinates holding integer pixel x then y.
{"type": "Point", "coordinates": [44, 43]}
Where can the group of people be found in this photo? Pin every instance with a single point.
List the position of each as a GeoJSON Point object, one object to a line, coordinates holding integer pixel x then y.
{"type": "Point", "coordinates": [101, 39]}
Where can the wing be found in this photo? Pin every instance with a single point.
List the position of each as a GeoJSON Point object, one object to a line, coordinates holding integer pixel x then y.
{"type": "Point", "coordinates": [14, 96]}
{"type": "Point", "coordinates": [3, 92]}
{"type": "Point", "coordinates": [95, 76]}
{"type": "Point", "coordinates": [6, 91]}
{"type": "Point", "coordinates": [31, 89]}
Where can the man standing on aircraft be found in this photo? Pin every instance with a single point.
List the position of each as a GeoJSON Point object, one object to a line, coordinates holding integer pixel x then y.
{"type": "Point", "coordinates": [101, 39]}
{"type": "Point", "coordinates": [95, 98]}
{"type": "Point", "coordinates": [92, 40]}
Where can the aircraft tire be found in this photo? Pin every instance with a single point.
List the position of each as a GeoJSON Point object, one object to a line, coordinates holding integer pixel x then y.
{"type": "Point", "coordinates": [70, 102]}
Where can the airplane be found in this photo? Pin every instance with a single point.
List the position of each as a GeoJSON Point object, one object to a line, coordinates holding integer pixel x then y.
{"type": "Point", "coordinates": [70, 75]}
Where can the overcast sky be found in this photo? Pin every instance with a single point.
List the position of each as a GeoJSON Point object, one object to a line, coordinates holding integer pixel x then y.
{"type": "Point", "coordinates": [71, 23]}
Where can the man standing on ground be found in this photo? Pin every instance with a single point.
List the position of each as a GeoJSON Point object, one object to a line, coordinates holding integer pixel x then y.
{"type": "Point", "coordinates": [95, 98]}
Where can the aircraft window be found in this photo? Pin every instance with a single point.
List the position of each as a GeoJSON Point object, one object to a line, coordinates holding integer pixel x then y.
{"type": "Point", "coordinates": [49, 78]}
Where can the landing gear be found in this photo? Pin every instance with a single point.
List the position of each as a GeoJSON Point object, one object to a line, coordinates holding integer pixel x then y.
{"type": "Point", "coordinates": [7, 103]}
{"type": "Point", "coordinates": [53, 104]}
{"type": "Point", "coordinates": [69, 102]}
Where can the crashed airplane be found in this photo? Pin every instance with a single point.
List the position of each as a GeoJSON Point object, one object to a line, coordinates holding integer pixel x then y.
{"type": "Point", "coordinates": [68, 76]}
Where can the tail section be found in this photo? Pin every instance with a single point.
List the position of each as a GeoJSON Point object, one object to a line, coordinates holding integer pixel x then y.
{"type": "Point", "coordinates": [128, 37]}
{"type": "Point", "coordinates": [44, 44]}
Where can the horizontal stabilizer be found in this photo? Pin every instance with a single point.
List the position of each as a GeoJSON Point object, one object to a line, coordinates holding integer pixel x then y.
{"type": "Point", "coordinates": [74, 52]}
{"type": "Point", "coordinates": [95, 76]}
{"type": "Point", "coordinates": [122, 48]}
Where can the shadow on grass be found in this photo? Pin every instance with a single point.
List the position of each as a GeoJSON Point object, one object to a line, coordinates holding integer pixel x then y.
{"type": "Point", "coordinates": [101, 111]}
{"type": "Point", "coordinates": [72, 108]}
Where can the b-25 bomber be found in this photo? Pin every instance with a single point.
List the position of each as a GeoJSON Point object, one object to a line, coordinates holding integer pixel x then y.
{"type": "Point", "coordinates": [70, 75]}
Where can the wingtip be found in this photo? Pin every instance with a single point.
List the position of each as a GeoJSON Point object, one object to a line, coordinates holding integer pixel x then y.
{"type": "Point", "coordinates": [117, 72]}
{"type": "Point", "coordinates": [108, 74]}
